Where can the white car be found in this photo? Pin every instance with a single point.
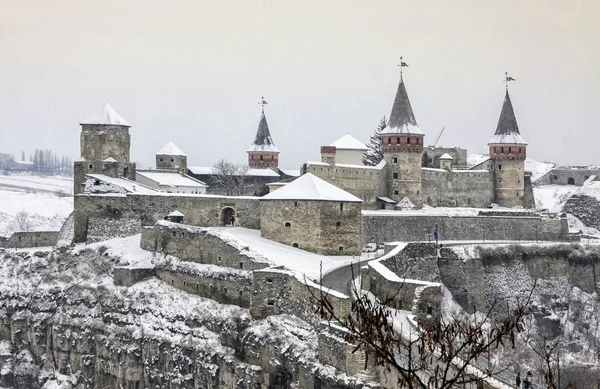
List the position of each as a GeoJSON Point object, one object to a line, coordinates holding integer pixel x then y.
{"type": "Point", "coordinates": [369, 248]}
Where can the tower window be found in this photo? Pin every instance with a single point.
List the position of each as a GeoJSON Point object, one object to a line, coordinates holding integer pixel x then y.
{"type": "Point", "coordinates": [341, 248]}
{"type": "Point", "coordinates": [495, 149]}
{"type": "Point", "coordinates": [91, 166]}
{"type": "Point", "coordinates": [341, 207]}
{"type": "Point", "coordinates": [499, 179]}
{"type": "Point", "coordinates": [288, 225]}
{"type": "Point", "coordinates": [417, 141]}
{"type": "Point", "coordinates": [271, 157]}
{"type": "Point", "coordinates": [252, 157]}
{"type": "Point", "coordinates": [294, 244]}
{"type": "Point", "coordinates": [408, 140]}
{"type": "Point", "coordinates": [338, 224]}
{"type": "Point", "coordinates": [161, 160]}
{"type": "Point", "coordinates": [499, 167]}
{"type": "Point", "coordinates": [172, 160]}
{"type": "Point", "coordinates": [396, 192]}
{"type": "Point", "coordinates": [261, 157]}
{"type": "Point", "coordinates": [395, 160]}
{"type": "Point", "coordinates": [395, 175]}
{"type": "Point", "coordinates": [295, 203]}
{"type": "Point", "coordinates": [519, 150]}
{"type": "Point", "coordinates": [398, 139]}
{"type": "Point", "coordinates": [510, 150]}
{"type": "Point", "coordinates": [502, 150]}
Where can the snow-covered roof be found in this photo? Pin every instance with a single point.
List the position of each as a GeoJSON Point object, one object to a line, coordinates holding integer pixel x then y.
{"type": "Point", "coordinates": [446, 156]}
{"type": "Point", "coordinates": [402, 119]}
{"type": "Point", "coordinates": [262, 141]}
{"type": "Point", "coordinates": [291, 172]}
{"type": "Point", "coordinates": [507, 131]}
{"type": "Point", "coordinates": [176, 213]}
{"type": "Point", "coordinates": [110, 159]}
{"type": "Point", "coordinates": [106, 116]}
{"type": "Point", "coordinates": [348, 142]}
{"type": "Point", "coordinates": [127, 185]}
{"type": "Point", "coordinates": [379, 166]}
{"type": "Point", "coordinates": [173, 179]}
{"type": "Point", "coordinates": [311, 187]}
{"type": "Point", "coordinates": [386, 200]}
{"type": "Point", "coordinates": [171, 149]}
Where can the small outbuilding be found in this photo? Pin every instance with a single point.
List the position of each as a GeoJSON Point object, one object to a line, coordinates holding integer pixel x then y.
{"type": "Point", "coordinates": [314, 215]}
{"type": "Point", "coordinates": [175, 217]}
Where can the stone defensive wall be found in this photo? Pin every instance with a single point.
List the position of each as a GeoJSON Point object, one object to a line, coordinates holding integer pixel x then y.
{"type": "Point", "coordinates": [201, 245]}
{"type": "Point", "coordinates": [567, 176]}
{"type": "Point", "coordinates": [106, 216]}
{"type": "Point", "coordinates": [236, 275]}
{"type": "Point", "coordinates": [364, 182]}
{"type": "Point", "coordinates": [458, 188]}
{"type": "Point", "coordinates": [334, 350]}
{"type": "Point", "coordinates": [391, 226]}
{"type": "Point", "coordinates": [224, 285]}
{"type": "Point", "coordinates": [279, 291]}
{"type": "Point", "coordinates": [24, 239]}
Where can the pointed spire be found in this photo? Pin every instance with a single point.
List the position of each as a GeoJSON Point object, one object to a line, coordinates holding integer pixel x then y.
{"type": "Point", "coordinates": [402, 119]}
{"type": "Point", "coordinates": [106, 116]}
{"type": "Point", "coordinates": [507, 130]}
{"type": "Point", "coordinates": [263, 141]}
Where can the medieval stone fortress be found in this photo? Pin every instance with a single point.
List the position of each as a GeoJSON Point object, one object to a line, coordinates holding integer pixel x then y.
{"type": "Point", "coordinates": [436, 224]}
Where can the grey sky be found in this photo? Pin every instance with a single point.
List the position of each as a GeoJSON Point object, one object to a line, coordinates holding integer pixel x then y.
{"type": "Point", "coordinates": [193, 72]}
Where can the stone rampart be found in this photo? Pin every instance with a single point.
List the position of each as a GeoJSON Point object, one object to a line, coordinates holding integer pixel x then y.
{"type": "Point", "coordinates": [334, 350]}
{"type": "Point", "coordinates": [567, 176]}
{"type": "Point", "coordinates": [458, 188]}
{"type": "Point", "coordinates": [386, 226]}
{"type": "Point", "coordinates": [201, 245]}
{"type": "Point", "coordinates": [224, 285]}
{"type": "Point", "coordinates": [22, 239]}
{"type": "Point", "coordinates": [278, 291]}
{"type": "Point", "coordinates": [199, 210]}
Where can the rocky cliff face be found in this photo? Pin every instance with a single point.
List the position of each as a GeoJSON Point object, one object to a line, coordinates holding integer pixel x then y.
{"type": "Point", "coordinates": [564, 307]}
{"type": "Point", "coordinates": [64, 323]}
{"type": "Point", "coordinates": [585, 208]}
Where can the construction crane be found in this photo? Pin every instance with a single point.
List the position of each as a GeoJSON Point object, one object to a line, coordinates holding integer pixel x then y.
{"type": "Point", "coordinates": [438, 138]}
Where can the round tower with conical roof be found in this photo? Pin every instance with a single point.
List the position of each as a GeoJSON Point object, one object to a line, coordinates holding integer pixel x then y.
{"type": "Point", "coordinates": [105, 147]}
{"type": "Point", "coordinates": [402, 147]}
{"type": "Point", "coordinates": [508, 151]}
{"type": "Point", "coordinates": [263, 153]}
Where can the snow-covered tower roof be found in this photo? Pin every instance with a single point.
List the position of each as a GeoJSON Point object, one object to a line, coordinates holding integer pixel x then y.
{"type": "Point", "coordinates": [507, 131]}
{"type": "Point", "coordinates": [262, 141]}
{"type": "Point", "coordinates": [311, 187]}
{"type": "Point", "coordinates": [446, 156]}
{"type": "Point", "coordinates": [171, 149]}
{"type": "Point", "coordinates": [106, 116]}
{"type": "Point", "coordinates": [348, 142]}
{"type": "Point", "coordinates": [402, 119]}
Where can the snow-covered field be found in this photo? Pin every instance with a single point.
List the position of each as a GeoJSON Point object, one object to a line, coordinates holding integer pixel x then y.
{"type": "Point", "coordinates": [54, 183]}
{"type": "Point", "coordinates": [46, 211]}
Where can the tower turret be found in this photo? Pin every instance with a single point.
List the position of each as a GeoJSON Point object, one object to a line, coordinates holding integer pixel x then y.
{"type": "Point", "coordinates": [402, 146]}
{"type": "Point", "coordinates": [508, 151]}
{"type": "Point", "coordinates": [170, 157]}
{"type": "Point", "coordinates": [105, 147]}
{"type": "Point", "coordinates": [263, 153]}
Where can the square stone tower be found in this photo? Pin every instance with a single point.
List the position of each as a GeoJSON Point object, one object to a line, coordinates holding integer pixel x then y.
{"type": "Point", "coordinates": [105, 147]}
{"type": "Point", "coordinates": [402, 146]}
{"type": "Point", "coordinates": [170, 157]}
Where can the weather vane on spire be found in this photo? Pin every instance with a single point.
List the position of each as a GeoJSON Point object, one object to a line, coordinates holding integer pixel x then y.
{"type": "Point", "coordinates": [508, 79]}
{"type": "Point", "coordinates": [262, 103]}
{"type": "Point", "coordinates": [402, 65]}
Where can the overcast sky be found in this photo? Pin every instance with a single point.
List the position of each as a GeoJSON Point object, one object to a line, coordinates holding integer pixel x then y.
{"type": "Point", "coordinates": [193, 72]}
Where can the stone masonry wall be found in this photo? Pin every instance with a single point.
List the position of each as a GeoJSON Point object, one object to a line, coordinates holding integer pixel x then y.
{"type": "Point", "coordinates": [23, 239]}
{"type": "Point", "coordinates": [206, 211]}
{"type": "Point", "coordinates": [365, 182]}
{"type": "Point", "coordinates": [279, 291]}
{"type": "Point", "coordinates": [324, 227]}
{"type": "Point", "coordinates": [389, 228]}
{"type": "Point", "coordinates": [459, 188]}
{"type": "Point", "coordinates": [199, 245]}
{"type": "Point", "coordinates": [560, 176]}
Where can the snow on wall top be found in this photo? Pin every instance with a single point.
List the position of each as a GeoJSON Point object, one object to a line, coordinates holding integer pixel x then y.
{"type": "Point", "coordinates": [311, 187]}
{"type": "Point", "coordinates": [106, 116]}
{"type": "Point", "coordinates": [208, 170]}
{"type": "Point", "coordinates": [348, 142]}
{"type": "Point", "coordinates": [171, 149]}
{"type": "Point", "coordinates": [171, 179]}
{"type": "Point", "coordinates": [127, 185]}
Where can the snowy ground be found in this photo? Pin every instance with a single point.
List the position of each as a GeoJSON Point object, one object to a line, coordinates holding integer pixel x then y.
{"type": "Point", "coordinates": [553, 197]}
{"type": "Point", "coordinates": [53, 183]}
{"type": "Point", "coordinates": [47, 212]}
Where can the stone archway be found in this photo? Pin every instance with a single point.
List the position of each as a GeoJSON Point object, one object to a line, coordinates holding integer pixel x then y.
{"type": "Point", "coordinates": [571, 181]}
{"type": "Point", "coordinates": [226, 214]}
